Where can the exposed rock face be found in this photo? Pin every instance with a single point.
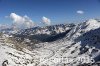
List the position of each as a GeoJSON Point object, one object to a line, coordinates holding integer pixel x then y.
{"type": "Point", "coordinates": [5, 63]}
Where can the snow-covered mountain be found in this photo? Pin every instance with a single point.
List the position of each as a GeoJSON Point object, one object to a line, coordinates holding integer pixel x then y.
{"type": "Point", "coordinates": [49, 30]}
{"type": "Point", "coordinates": [8, 29]}
{"type": "Point", "coordinates": [80, 45]}
{"type": "Point", "coordinates": [44, 34]}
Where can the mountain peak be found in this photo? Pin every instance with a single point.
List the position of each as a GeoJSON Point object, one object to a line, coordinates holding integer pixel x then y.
{"type": "Point", "coordinates": [84, 27]}
{"type": "Point", "coordinates": [93, 24]}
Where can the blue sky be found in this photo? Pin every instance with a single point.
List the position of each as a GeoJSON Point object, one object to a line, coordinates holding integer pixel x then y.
{"type": "Point", "coordinates": [58, 11]}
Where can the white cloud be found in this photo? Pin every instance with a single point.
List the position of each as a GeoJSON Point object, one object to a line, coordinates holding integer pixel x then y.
{"type": "Point", "coordinates": [80, 12]}
{"type": "Point", "coordinates": [46, 20]}
{"type": "Point", "coordinates": [21, 21]}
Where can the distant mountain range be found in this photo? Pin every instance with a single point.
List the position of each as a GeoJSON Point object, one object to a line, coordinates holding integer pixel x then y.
{"type": "Point", "coordinates": [45, 34]}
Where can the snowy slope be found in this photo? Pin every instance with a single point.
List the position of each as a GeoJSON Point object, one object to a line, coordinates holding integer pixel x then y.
{"type": "Point", "coordinates": [15, 57]}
